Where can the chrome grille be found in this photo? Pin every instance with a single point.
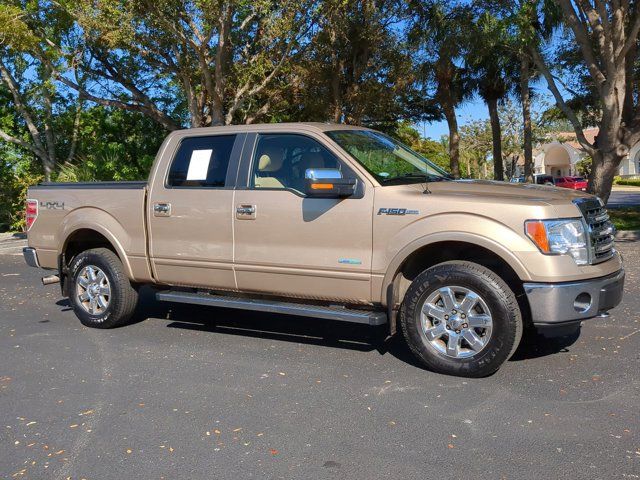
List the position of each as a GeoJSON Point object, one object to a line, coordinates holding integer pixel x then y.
{"type": "Point", "coordinates": [600, 229]}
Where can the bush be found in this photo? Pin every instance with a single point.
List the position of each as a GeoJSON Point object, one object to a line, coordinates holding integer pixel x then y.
{"type": "Point", "coordinates": [634, 182]}
{"type": "Point", "coordinates": [16, 176]}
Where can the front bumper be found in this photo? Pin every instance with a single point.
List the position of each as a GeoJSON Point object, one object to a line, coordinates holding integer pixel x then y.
{"type": "Point", "coordinates": [31, 256]}
{"type": "Point", "coordinates": [557, 304]}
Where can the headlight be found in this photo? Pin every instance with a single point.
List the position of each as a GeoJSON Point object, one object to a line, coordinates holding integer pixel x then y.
{"type": "Point", "coordinates": [560, 237]}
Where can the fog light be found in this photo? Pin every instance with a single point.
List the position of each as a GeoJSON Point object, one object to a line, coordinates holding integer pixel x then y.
{"type": "Point", "coordinates": [582, 303]}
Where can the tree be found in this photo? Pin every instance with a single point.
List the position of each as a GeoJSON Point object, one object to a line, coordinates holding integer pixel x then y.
{"type": "Point", "coordinates": [437, 152]}
{"type": "Point", "coordinates": [476, 142]}
{"type": "Point", "coordinates": [494, 69]}
{"type": "Point", "coordinates": [523, 28]}
{"type": "Point", "coordinates": [211, 59]}
{"type": "Point", "coordinates": [606, 34]}
{"type": "Point", "coordinates": [438, 31]}
{"type": "Point", "coordinates": [32, 95]}
{"type": "Point", "coordinates": [524, 16]}
{"type": "Point", "coordinates": [356, 68]}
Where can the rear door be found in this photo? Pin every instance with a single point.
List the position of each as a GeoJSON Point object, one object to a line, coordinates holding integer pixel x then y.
{"type": "Point", "coordinates": [190, 211]}
{"type": "Point", "coordinates": [289, 244]}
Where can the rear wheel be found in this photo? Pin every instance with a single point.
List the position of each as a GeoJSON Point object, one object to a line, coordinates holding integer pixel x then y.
{"type": "Point", "coordinates": [100, 291]}
{"type": "Point", "coordinates": [460, 318]}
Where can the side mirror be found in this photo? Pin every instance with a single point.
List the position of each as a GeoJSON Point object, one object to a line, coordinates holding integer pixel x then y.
{"type": "Point", "coordinates": [328, 183]}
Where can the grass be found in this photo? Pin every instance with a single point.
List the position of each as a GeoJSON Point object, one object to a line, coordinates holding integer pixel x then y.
{"type": "Point", "coordinates": [627, 218]}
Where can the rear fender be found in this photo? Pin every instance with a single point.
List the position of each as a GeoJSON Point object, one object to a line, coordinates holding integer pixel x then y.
{"type": "Point", "coordinates": [91, 218]}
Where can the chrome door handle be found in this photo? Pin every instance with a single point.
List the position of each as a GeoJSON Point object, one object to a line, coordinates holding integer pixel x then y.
{"type": "Point", "coordinates": [246, 212]}
{"type": "Point", "coordinates": [161, 209]}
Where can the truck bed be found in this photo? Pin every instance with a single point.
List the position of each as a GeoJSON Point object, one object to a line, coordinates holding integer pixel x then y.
{"type": "Point", "coordinates": [114, 209]}
{"type": "Point", "coordinates": [92, 185]}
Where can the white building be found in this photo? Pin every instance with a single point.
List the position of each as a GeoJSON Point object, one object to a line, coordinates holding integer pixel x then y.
{"type": "Point", "coordinates": [560, 156]}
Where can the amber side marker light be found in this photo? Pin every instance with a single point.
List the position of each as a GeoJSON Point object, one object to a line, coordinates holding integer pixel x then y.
{"type": "Point", "coordinates": [322, 186]}
{"type": "Point", "coordinates": [537, 232]}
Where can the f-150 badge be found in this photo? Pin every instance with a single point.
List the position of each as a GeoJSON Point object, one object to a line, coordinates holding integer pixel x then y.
{"type": "Point", "coordinates": [397, 211]}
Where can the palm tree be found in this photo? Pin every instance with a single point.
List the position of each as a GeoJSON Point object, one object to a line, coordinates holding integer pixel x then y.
{"type": "Point", "coordinates": [437, 32]}
{"type": "Point", "coordinates": [524, 17]}
{"type": "Point", "coordinates": [495, 70]}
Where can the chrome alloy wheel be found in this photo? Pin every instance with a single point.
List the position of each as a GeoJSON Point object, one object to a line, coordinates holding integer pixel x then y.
{"type": "Point", "coordinates": [93, 290]}
{"type": "Point", "coordinates": [456, 321]}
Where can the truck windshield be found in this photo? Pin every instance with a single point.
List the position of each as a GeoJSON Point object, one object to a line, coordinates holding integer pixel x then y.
{"type": "Point", "coordinates": [388, 160]}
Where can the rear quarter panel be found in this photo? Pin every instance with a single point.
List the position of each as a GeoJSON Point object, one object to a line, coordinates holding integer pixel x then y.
{"type": "Point", "coordinates": [116, 212]}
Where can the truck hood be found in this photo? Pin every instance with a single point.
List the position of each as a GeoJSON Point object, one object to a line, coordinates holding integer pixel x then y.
{"type": "Point", "coordinates": [500, 192]}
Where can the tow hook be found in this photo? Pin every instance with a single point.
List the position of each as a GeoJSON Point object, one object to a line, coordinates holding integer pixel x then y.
{"type": "Point", "coordinates": [50, 279]}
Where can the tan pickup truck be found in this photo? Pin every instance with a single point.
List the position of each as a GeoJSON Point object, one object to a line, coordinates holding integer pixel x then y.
{"type": "Point", "coordinates": [333, 222]}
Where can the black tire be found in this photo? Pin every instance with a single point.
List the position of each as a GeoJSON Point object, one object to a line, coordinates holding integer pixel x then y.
{"type": "Point", "coordinates": [498, 297]}
{"type": "Point", "coordinates": [122, 299]}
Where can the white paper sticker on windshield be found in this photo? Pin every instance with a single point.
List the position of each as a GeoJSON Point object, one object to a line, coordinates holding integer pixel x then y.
{"type": "Point", "coordinates": [199, 165]}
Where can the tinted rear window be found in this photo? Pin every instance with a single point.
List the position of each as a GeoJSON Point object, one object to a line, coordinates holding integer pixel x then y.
{"type": "Point", "coordinates": [201, 162]}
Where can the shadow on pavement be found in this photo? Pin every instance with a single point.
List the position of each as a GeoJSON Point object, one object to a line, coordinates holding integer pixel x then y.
{"type": "Point", "coordinates": [306, 330]}
{"type": "Point", "coordinates": [534, 345]}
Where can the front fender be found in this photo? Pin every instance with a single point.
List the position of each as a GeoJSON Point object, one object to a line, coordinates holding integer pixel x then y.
{"type": "Point", "coordinates": [459, 227]}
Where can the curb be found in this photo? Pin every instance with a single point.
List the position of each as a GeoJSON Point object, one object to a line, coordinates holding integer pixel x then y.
{"type": "Point", "coordinates": [12, 236]}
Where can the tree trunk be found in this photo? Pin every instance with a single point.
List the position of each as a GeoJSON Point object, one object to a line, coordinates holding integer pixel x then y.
{"type": "Point", "coordinates": [220, 69]}
{"type": "Point", "coordinates": [336, 91]}
{"type": "Point", "coordinates": [475, 169]}
{"type": "Point", "coordinates": [496, 139]}
{"type": "Point", "coordinates": [454, 139]}
{"type": "Point", "coordinates": [525, 75]}
{"type": "Point", "coordinates": [604, 168]}
{"type": "Point", "coordinates": [47, 167]}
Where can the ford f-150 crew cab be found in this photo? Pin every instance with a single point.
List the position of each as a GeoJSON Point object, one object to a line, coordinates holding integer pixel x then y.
{"type": "Point", "coordinates": [333, 222]}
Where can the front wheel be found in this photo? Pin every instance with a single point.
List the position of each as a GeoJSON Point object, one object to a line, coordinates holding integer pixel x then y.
{"type": "Point", "coordinates": [100, 291]}
{"type": "Point", "coordinates": [460, 318]}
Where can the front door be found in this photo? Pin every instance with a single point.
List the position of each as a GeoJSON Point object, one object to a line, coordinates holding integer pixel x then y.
{"type": "Point", "coordinates": [190, 213]}
{"type": "Point", "coordinates": [288, 244]}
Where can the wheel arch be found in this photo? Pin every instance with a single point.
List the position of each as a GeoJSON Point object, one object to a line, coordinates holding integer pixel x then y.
{"type": "Point", "coordinates": [428, 252]}
{"type": "Point", "coordinates": [89, 228]}
{"type": "Point", "coordinates": [84, 239]}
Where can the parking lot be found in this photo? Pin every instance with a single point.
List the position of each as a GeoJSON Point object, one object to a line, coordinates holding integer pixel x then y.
{"type": "Point", "coordinates": [188, 392]}
{"type": "Point", "coordinates": [624, 196]}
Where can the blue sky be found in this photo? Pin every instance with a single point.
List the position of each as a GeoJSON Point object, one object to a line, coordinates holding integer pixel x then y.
{"type": "Point", "coordinates": [475, 109]}
{"type": "Point", "coordinates": [470, 111]}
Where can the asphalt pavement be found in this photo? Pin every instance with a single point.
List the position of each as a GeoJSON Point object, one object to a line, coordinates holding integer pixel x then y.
{"type": "Point", "coordinates": [624, 196]}
{"type": "Point", "coordinates": [196, 393]}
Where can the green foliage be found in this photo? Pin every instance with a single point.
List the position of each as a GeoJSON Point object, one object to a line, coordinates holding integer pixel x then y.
{"type": "Point", "coordinates": [16, 176]}
{"type": "Point", "coordinates": [437, 152]}
{"type": "Point", "coordinates": [634, 182]}
{"type": "Point", "coordinates": [584, 166]}
{"type": "Point", "coordinates": [15, 33]}
{"type": "Point", "coordinates": [475, 146]}
{"type": "Point", "coordinates": [113, 144]}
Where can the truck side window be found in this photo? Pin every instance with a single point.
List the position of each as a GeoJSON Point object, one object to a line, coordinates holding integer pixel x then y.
{"type": "Point", "coordinates": [281, 160]}
{"type": "Point", "coordinates": [201, 162]}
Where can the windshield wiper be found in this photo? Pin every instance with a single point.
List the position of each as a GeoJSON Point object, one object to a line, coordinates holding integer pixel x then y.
{"type": "Point", "coordinates": [425, 177]}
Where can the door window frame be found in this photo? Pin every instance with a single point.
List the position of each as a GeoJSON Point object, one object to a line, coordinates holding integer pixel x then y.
{"type": "Point", "coordinates": [245, 170]}
{"type": "Point", "coordinates": [235, 158]}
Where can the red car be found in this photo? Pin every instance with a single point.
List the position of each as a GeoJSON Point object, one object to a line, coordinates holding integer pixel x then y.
{"type": "Point", "coordinates": [575, 183]}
